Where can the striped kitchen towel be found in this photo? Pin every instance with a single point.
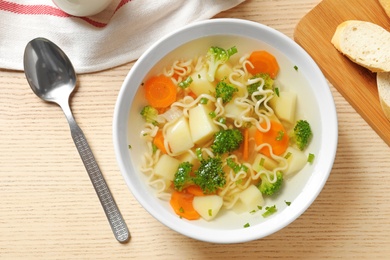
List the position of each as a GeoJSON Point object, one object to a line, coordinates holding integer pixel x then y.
{"type": "Point", "coordinates": [118, 35]}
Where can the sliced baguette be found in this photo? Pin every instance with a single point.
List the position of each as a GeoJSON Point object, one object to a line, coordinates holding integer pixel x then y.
{"type": "Point", "coordinates": [386, 6]}
{"type": "Point", "coordinates": [383, 84]}
{"type": "Point", "coordinates": [365, 43]}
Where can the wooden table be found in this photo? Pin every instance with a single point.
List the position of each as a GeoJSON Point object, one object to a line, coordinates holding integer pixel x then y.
{"type": "Point", "coordinates": [49, 210]}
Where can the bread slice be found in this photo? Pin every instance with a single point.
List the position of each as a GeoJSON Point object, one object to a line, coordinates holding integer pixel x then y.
{"type": "Point", "coordinates": [365, 43]}
{"type": "Point", "coordinates": [383, 84]}
{"type": "Point", "coordinates": [386, 6]}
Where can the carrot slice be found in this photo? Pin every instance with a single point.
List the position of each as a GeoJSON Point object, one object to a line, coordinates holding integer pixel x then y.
{"type": "Point", "coordinates": [158, 141]}
{"type": "Point", "coordinates": [195, 190]}
{"type": "Point", "coordinates": [181, 202]}
{"type": "Point", "coordinates": [245, 145]}
{"type": "Point", "coordinates": [160, 91]}
{"type": "Point", "coordinates": [263, 62]}
{"type": "Point", "coordinates": [277, 137]}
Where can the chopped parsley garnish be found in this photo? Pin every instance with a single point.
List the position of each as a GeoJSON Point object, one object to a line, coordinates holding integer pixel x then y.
{"type": "Point", "coordinates": [310, 158]}
{"type": "Point", "coordinates": [222, 120]}
{"type": "Point", "coordinates": [247, 225]}
{"type": "Point", "coordinates": [280, 135]}
{"type": "Point", "coordinates": [203, 101]}
{"type": "Point", "coordinates": [235, 166]}
{"type": "Point", "coordinates": [269, 211]}
{"type": "Point", "coordinates": [130, 146]}
{"type": "Point", "coordinates": [198, 153]}
{"type": "Point", "coordinates": [288, 154]}
{"type": "Point", "coordinates": [210, 211]}
{"type": "Point", "coordinates": [154, 147]}
{"type": "Point", "coordinates": [296, 67]}
{"type": "Point", "coordinates": [185, 83]}
{"type": "Point", "coordinates": [276, 90]}
{"type": "Point", "coordinates": [288, 203]}
{"type": "Point", "coordinates": [262, 160]}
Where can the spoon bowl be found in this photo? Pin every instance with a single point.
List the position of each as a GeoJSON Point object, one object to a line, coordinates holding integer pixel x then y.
{"type": "Point", "coordinates": [48, 70]}
{"type": "Point", "coordinates": [52, 77]}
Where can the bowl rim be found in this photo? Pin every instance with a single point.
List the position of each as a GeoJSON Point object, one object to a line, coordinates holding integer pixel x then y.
{"type": "Point", "coordinates": [241, 28]}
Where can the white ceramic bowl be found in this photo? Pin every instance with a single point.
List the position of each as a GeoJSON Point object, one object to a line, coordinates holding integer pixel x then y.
{"type": "Point", "coordinates": [82, 7]}
{"type": "Point", "coordinates": [315, 104]}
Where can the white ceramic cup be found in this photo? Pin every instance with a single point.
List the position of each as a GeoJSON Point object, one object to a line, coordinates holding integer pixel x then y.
{"type": "Point", "coordinates": [82, 7]}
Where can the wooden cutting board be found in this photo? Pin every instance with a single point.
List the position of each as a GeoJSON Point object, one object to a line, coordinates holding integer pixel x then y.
{"type": "Point", "coordinates": [355, 83]}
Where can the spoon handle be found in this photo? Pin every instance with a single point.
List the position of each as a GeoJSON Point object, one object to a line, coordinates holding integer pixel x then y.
{"type": "Point", "coordinates": [113, 214]}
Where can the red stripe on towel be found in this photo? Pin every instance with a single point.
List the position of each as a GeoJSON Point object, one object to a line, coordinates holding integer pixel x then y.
{"type": "Point", "coordinates": [49, 10]}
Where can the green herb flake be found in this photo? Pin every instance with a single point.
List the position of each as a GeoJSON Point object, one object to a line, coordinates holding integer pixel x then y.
{"type": "Point", "coordinates": [210, 211]}
{"type": "Point", "coordinates": [130, 146]}
{"type": "Point", "coordinates": [199, 76]}
{"type": "Point", "coordinates": [310, 158]}
{"type": "Point", "coordinates": [239, 181]}
{"type": "Point", "coordinates": [212, 114]}
{"type": "Point", "coordinates": [296, 67]}
{"type": "Point", "coordinates": [287, 155]}
{"type": "Point", "coordinates": [276, 90]}
{"type": "Point", "coordinates": [203, 101]}
{"type": "Point", "coordinates": [288, 203]}
{"type": "Point", "coordinates": [259, 207]}
{"type": "Point", "coordinates": [154, 148]}
{"type": "Point", "coordinates": [233, 165]}
{"type": "Point", "coordinates": [232, 50]}
{"type": "Point", "coordinates": [247, 225]}
{"type": "Point", "coordinates": [198, 153]}
{"type": "Point", "coordinates": [269, 211]}
{"type": "Point", "coordinates": [222, 120]}
{"type": "Point", "coordinates": [181, 210]}
{"type": "Point", "coordinates": [280, 135]}
{"type": "Point", "coordinates": [262, 161]}
{"type": "Point", "coordinates": [185, 83]}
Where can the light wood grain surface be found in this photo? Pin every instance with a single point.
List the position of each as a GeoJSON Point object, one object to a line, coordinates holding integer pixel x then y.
{"type": "Point", "coordinates": [49, 210]}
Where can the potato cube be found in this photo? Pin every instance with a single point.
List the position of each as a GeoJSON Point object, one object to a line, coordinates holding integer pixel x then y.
{"type": "Point", "coordinates": [179, 137]}
{"type": "Point", "coordinates": [296, 161]}
{"type": "Point", "coordinates": [166, 167]}
{"type": "Point", "coordinates": [267, 163]}
{"type": "Point", "coordinates": [200, 84]}
{"type": "Point", "coordinates": [202, 126]}
{"type": "Point", "coordinates": [233, 110]}
{"type": "Point", "coordinates": [207, 206]}
{"type": "Point", "coordinates": [189, 157]}
{"type": "Point", "coordinates": [223, 71]}
{"type": "Point", "coordinates": [249, 199]}
{"type": "Point", "coordinates": [284, 106]}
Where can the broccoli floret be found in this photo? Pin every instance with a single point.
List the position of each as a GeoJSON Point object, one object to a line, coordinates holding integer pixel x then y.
{"type": "Point", "coordinates": [225, 91]}
{"type": "Point", "coordinates": [215, 57]}
{"type": "Point", "coordinates": [268, 83]}
{"type": "Point", "coordinates": [183, 176]}
{"type": "Point", "coordinates": [301, 134]}
{"type": "Point", "coordinates": [227, 141]}
{"type": "Point", "coordinates": [268, 188]}
{"type": "Point", "coordinates": [150, 114]}
{"type": "Point", "coordinates": [210, 175]}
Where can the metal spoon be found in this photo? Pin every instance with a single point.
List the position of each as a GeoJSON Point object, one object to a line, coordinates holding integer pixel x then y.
{"type": "Point", "coordinates": [52, 78]}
